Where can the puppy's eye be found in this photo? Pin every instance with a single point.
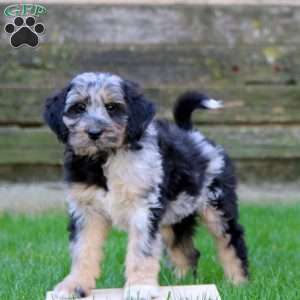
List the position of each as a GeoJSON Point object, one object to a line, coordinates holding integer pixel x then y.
{"type": "Point", "coordinates": [113, 108]}
{"type": "Point", "coordinates": [77, 109]}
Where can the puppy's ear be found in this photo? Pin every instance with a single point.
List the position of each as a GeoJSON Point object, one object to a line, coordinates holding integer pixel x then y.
{"type": "Point", "coordinates": [140, 112]}
{"type": "Point", "coordinates": [53, 113]}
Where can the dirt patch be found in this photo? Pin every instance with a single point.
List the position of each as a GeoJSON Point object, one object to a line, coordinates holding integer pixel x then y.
{"type": "Point", "coordinates": [39, 197]}
{"type": "Point", "coordinates": [269, 192]}
{"type": "Point", "coordinates": [31, 197]}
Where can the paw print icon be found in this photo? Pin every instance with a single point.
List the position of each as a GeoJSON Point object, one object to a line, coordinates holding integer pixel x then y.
{"type": "Point", "coordinates": [24, 32]}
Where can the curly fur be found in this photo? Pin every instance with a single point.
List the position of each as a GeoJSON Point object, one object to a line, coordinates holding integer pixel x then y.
{"type": "Point", "coordinates": [149, 177]}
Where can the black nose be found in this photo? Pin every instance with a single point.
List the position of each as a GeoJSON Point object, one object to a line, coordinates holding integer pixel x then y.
{"type": "Point", "coordinates": [94, 133]}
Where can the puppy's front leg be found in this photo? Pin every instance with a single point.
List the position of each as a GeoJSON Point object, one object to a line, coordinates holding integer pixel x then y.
{"type": "Point", "coordinates": [142, 261]}
{"type": "Point", "coordinates": [88, 232]}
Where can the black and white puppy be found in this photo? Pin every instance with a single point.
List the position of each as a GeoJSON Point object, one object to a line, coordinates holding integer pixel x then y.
{"type": "Point", "coordinates": [148, 177]}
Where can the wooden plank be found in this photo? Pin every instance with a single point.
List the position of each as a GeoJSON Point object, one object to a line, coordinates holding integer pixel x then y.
{"type": "Point", "coordinates": [22, 106]}
{"type": "Point", "coordinates": [51, 65]}
{"type": "Point", "coordinates": [200, 292]}
{"type": "Point", "coordinates": [248, 170]}
{"type": "Point", "coordinates": [250, 105]}
{"type": "Point", "coordinates": [31, 172]}
{"type": "Point", "coordinates": [25, 146]}
{"type": "Point", "coordinates": [257, 142]}
{"type": "Point", "coordinates": [39, 146]}
{"type": "Point", "coordinates": [144, 24]}
{"type": "Point", "coordinates": [243, 104]}
{"type": "Point", "coordinates": [268, 170]}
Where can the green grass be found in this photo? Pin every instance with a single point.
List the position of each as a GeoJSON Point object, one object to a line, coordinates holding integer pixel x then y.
{"type": "Point", "coordinates": [34, 256]}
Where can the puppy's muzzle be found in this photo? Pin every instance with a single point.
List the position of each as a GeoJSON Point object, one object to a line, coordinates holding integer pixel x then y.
{"type": "Point", "coordinates": [94, 134]}
{"type": "Point", "coordinates": [95, 128]}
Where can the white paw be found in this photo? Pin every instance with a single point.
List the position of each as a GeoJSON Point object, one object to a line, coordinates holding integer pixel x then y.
{"type": "Point", "coordinates": [72, 288]}
{"type": "Point", "coordinates": [141, 292]}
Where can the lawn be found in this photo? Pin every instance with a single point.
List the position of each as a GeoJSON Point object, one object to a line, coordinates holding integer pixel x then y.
{"type": "Point", "coordinates": [34, 255]}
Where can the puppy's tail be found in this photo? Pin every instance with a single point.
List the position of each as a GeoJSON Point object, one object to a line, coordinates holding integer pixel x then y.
{"type": "Point", "coordinates": [187, 103]}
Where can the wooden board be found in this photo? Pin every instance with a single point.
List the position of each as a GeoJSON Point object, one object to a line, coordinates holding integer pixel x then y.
{"type": "Point", "coordinates": [39, 145]}
{"type": "Point", "coordinates": [54, 64]}
{"type": "Point", "coordinates": [250, 105]}
{"type": "Point", "coordinates": [188, 292]}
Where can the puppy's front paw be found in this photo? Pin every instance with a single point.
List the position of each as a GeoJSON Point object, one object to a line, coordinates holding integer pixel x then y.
{"type": "Point", "coordinates": [73, 287]}
{"type": "Point", "coordinates": [141, 292]}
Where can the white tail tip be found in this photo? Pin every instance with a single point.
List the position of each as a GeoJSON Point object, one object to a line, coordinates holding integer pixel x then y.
{"type": "Point", "coordinates": [213, 104]}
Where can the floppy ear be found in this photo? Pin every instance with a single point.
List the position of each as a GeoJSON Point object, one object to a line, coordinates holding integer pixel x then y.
{"type": "Point", "coordinates": [140, 112]}
{"type": "Point", "coordinates": [53, 113]}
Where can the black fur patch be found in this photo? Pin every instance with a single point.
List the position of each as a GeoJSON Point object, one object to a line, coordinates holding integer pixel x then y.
{"type": "Point", "coordinates": [80, 292]}
{"type": "Point", "coordinates": [140, 112]}
{"type": "Point", "coordinates": [185, 228]}
{"type": "Point", "coordinates": [184, 166]}
{"type": "Point", "coordinates": [184, 232]}
{"type": "Point", "coordinates": [156, 215]}
{"type": "Point", "coordinates": [227, 205]}
{"type": "Point", "coordinates": [184, 107]}
{"type": "Point", "coordinates": [53, 113]}
{"type": "Point", "coordinates": [84, 169]}
{"type": "Point", "coordinates": [236, 233]}
{"type": "Point", "coordinates": [73, 227]}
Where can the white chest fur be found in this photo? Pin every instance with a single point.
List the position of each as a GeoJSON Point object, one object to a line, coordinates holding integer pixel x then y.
{"type": "Point", "coordinates": [130, 176]}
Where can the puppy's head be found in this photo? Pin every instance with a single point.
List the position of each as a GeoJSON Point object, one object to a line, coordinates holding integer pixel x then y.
{"type": "Point", "coordinates": [99, 112]}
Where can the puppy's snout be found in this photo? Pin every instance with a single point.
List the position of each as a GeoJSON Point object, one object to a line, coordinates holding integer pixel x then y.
{"type": "Point", "coordinates": [94, 134]}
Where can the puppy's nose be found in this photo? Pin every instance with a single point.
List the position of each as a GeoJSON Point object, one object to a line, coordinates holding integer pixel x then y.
{"type": "Point", "coordinates": [94, 134]}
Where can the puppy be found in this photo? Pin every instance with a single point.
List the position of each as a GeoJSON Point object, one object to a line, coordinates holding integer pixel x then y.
{"type": "Point", "coordinates": [149, 177]}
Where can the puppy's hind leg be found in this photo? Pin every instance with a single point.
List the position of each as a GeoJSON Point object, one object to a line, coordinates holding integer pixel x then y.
{"type": "Point", "coordinates": [181, 251]}
{"type": "Point", "coordinates": [222, 222]}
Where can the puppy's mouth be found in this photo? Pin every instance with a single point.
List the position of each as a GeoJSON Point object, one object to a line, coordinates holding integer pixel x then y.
{"type": "Point", "coordinates": [107, 142]}
{"type": "Point", "coordinates": [110, 139]}
{"type": "Point", "coordinates": [104, 143]}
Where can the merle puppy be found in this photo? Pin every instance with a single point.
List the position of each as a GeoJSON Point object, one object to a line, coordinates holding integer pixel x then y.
{"type": "Point", "coordinates": [149, 177]}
